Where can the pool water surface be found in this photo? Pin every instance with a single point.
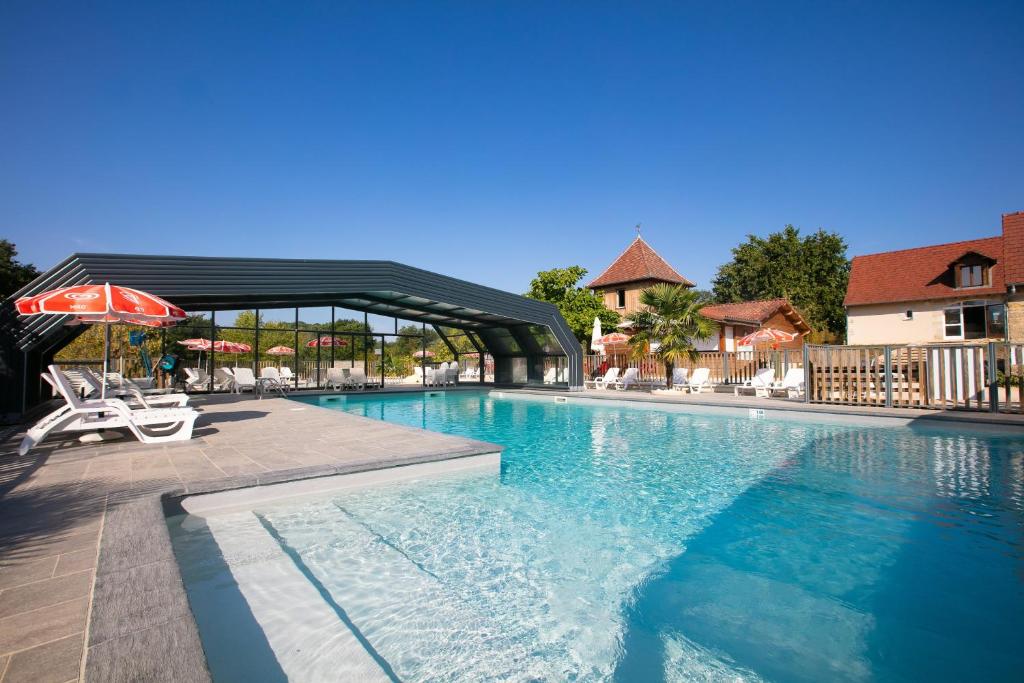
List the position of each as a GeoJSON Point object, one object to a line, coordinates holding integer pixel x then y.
{"type": "Point", "coordinates": [620, 543]}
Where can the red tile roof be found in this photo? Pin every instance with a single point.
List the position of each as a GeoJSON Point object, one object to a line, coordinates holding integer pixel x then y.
{"type": "Point", "coordinates": [920, 274]}
{"type": "Point", "coordinates": [754, 312]}
{"type": "Point", "coordinates": [638, 262]}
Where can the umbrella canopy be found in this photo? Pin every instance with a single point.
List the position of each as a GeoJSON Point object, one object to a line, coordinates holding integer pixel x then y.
{"type": "Point", "coordinates": [104, 304]}
{"type": "Point", "coordinates": [327, 341]}
{"type": "Point", "coordinates": [101, 303]}
{"type": "Point", "coordinates": [220, 346]}
{"type": "Point", "coordinates": [280, 351]}
{"type": "Point", "coordinates": [766, 335]}
{"type": "Point", "coordinates": [595, 337]}
{"type": "Point", "coordinates": [423, 354]}
{"type": "Point", "coordinates": [614, 339]}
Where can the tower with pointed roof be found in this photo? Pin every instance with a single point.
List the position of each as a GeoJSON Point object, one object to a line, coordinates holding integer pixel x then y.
{"type": "Point", "coordinates": [636, 268]}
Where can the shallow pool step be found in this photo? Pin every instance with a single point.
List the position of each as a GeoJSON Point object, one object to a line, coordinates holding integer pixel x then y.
{"type": "Point", "coordinates": [422, 627]}
{"type": "Point", "coordinates": [310, 639]}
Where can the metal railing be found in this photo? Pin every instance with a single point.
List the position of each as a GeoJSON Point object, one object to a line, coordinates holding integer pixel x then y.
{"type": "Point", "coordinates": [931, 376]}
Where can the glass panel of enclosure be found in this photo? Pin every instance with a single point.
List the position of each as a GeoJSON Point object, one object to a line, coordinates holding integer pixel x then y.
{"type": "Point", "coordinates": [306, 343]}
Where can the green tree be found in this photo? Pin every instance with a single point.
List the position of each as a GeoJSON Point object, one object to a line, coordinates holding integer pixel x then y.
{"type": "Point", "coordinates": [13, 274]}
{"type": "Point", "coordinates": [811, 271]}
{"type": "Point", "coordinates": [578, 305]}
{"type": "Point", "coordinates": [671, 319]}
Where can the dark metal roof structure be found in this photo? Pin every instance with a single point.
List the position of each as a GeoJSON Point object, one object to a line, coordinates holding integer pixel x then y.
{"type": "Point", "coordinates": [210, 283]}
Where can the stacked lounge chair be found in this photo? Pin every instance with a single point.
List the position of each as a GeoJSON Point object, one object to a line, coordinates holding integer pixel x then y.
{"type": "Point", "coordinates": [149, 425]}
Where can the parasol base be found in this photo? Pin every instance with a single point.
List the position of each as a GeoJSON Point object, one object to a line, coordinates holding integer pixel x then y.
{"type": "Point", "coordinates": [104, 435]}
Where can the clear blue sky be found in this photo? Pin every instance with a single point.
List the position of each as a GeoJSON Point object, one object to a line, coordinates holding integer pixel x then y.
{"type": "Point", "coordinates": [489, 140]}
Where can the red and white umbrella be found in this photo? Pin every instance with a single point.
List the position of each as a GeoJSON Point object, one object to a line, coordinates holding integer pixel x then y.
{"type": "Point", "coordinates": [220, 346]}
{"type": "Point", "coordinates": [103, 304]}
{"type": "Point", "coordinates": [107, 302]}
{"type": "Point", "coordinates": [423, 354]}
{"type": "Point", "coordinates": [327, 341]}
{"type": "Point", "coordinates": [280, 351]}
{"type": "Point", "coordinates": [614, 339]}
{"type": "Point", "coordinates": [766, 335]}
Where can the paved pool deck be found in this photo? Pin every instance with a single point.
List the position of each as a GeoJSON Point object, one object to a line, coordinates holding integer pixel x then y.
{"type": "Point", "coordinates": [89, 588]}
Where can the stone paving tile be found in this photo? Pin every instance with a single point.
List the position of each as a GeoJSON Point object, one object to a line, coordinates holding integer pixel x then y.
{"type": "Point", "coordinates": [77, 561]}
{"type": "Point", "coordinates": [134, 534]}
{"type": "Point", "coordinates": [133, 599]}
{"type": "Point", "coordinates": [44, 593]}
{"type": "Point", "coordinates": [35, 570]}
{"type": "Point", "coordinates": [28, 629]}
{"type": "Point", "coordinates": [54, 662]}
{"type": "Point", "coordinates": [171, 652]}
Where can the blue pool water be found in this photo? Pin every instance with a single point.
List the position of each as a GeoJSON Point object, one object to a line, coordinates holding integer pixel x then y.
{"type": "Point", "coordinates": [632, 544]}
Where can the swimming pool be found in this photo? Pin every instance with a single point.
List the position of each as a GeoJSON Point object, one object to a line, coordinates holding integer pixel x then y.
{"type": "Point", "coordinates": [621, 543]}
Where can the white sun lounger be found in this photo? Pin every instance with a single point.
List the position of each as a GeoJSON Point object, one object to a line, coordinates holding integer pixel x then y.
{"type": "Point", "coordinates": [630, 378]}
{"type": "Point", "coordinates": [335, 378]}
{"type": "Point", "coordinates": [680, 378]}
{"type": "Point", "coordinates": [760, 383]}
{"type": "Point", "coordinates": [700, 380]}
{"type": "Point", "coordinates": [129, 391]}
{"type": "Point", "coordinates": [271, 379]}
{"type": "Point", "coordinates": [223, 379]}
{"type": "Point", "coordinates": [244, 380]}
{"type": "Point", "coordinates": [792, 385]}
{"type": "Point", "coordinates": [609, 379]}
{"type": "Point", "coordinates": [149, 425]}
{"type": "Point", "coordinates": [196, 378]}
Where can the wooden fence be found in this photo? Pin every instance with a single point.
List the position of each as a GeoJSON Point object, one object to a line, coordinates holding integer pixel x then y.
{"type": "Point", "coordinates": [726, 367]}
{"type": "Point", "coordinates": [937, 376]}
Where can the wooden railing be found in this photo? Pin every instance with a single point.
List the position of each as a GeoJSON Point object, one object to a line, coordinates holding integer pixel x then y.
{"type": "Point", "coordinates": [726, 367]}
{"type": "Point", "coordinates": [934, 376]}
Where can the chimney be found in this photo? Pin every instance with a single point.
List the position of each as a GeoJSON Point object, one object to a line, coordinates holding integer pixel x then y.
{"type": "Point", "coordinates": [1013, 248]}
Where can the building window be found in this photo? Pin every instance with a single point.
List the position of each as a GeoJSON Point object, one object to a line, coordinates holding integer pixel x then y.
{"type": "Point", "coordinates": [953, 328]}
{"type": "Point", "coordinates": [972, 276]}
{"type": "Point", "coordinates": [975, 320]}
{"type": "Point", "coordinates": [620, 298]}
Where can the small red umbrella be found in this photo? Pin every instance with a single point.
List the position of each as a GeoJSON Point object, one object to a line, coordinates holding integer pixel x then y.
{"type": "Point", "coordinates": [614, 339]}
{"type": "Point", "coordinates": [423, 354]}
{"type": "Point", "coordinates": [103, 304]}
{"type": "Point", "coordinates": [280, 351]}
{"type": "Point", "coordinates": [327, 341]}
{"type": "Point", "coordinates": [766, 335]}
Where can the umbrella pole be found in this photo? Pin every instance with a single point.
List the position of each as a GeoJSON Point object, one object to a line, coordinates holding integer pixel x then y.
{"type": "Point", "coordinates": [106, 360]}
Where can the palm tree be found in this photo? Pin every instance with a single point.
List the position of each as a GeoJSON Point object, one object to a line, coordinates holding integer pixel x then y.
{"type": "Point", "coordinates": [671, 317]}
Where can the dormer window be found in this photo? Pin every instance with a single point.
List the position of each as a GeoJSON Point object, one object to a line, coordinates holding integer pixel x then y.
{"type": "Point", "coordinates": [972, 276]}
{"type": "Point", "coordinates": [972, 270]}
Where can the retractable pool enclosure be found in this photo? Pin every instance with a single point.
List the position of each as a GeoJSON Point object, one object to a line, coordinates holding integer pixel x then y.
{"type": "Point", "coordinates": [521, 337]}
